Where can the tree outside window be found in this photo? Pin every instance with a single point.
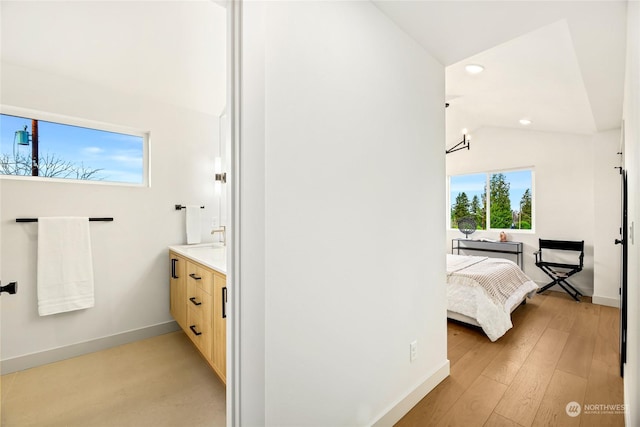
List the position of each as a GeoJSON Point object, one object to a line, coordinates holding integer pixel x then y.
{"type": "Point", "coordinates": [509, 201]}
{"type": "Point", "coordinates": [33, 147]}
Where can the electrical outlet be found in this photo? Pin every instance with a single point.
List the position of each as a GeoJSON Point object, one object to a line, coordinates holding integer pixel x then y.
{"type": "Point", "coordinates": [413, 351]}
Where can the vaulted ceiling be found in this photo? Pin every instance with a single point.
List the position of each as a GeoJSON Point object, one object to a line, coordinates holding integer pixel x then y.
{"type": "Point", "coordinates": [168, 51]}
{"type": "Point", "coordinates": [559, 64]}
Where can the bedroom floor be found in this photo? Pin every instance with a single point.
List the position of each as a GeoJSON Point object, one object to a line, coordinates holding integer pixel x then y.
{"type": "Point", "coordinates": [160, 381]}
{"type": "Point", "coordinates": [558, 352]}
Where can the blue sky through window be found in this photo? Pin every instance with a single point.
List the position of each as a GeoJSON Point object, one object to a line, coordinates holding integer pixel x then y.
{"type": "Point", "coordinates": [474, 184]}
{"type": "Point", "coordinates": [119, 156]}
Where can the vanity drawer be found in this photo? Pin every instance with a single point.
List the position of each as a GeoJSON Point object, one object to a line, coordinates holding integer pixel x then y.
{"type": "Point", "coordinates": [198, 300]}
{"type": "Point", "coordinates": [199, 312]}
{"type": "Point", "coordinates": [200, 276]}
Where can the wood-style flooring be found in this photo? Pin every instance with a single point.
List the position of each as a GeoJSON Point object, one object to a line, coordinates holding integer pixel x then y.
{"type": "Point", "coordinates": [557, 352]}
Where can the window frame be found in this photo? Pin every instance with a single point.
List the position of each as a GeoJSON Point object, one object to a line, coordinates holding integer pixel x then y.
{"type": "Point", "coordinates": [487, 183]}
{"type": "Point", "coordinates": [88, 124]}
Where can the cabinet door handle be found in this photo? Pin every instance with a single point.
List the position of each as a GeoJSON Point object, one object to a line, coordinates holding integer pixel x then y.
{"type": "Point", "coordinates": [193, 329]}
{"type": "Point", "coordinates": [194, 276]}
{"type": "Point", "coordinates": [174, 261]}
{"type": "Point", "coordinates": [193, 301]}
{"type": "Point", "coordinates": [224, 302]}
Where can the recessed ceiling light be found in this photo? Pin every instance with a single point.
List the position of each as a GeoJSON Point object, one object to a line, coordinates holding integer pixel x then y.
{"type": "Point", "coordinates": [474, 68]}
{"type": "Point", "coordinates": [525, 122]}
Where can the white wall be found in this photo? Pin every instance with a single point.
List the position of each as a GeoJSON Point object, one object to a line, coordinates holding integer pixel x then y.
{"type": "Point", "coordinates": [632, 164]}
{"type": "Point", "coordinates": [573, 173]}
{"type": "Point", "coordinates": [349, 177]}
{"type": "Point", "coordinates": [607, 197]}
{"type": "Point", "coordinates": [250, 286]}
{"type": "Point", "coordinates": [130, 254]}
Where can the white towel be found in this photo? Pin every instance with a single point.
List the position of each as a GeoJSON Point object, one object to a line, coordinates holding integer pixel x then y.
{"type": "Point", "coordinates": [194, 235]}
{"type": "Point", "coordinates": [65, 269]}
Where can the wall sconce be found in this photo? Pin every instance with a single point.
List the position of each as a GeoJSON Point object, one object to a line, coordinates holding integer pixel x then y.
{"type": "Point", "coordinates": [219, 175]}
{"type": "Point", "coordinates": [465, 143]}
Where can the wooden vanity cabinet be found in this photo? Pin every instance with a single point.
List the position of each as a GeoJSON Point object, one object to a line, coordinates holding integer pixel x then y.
{"type": "Point", "coordinates": [219, 357]}
{"type": "Point", "coordinates": [178, 290]}
{"type": "Point", "coordinates": [197, 297]}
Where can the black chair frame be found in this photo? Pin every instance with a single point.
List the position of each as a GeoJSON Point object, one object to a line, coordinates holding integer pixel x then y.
{"type": "Point", "coordinates": [560, 272]}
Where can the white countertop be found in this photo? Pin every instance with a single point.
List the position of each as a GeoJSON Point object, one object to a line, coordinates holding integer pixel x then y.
{"type": "Point", "coordinates": [210, 255]}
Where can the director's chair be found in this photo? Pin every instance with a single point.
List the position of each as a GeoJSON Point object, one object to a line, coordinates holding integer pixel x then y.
{"type": "Point", "coordinates": [560, 271]}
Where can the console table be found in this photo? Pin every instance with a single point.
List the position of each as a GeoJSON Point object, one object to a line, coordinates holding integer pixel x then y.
{"type": "Point", "coordinates": [513, 248]}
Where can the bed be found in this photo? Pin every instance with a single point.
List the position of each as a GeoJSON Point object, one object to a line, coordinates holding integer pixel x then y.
{"type": "Point", "coordinates": [483, 292]}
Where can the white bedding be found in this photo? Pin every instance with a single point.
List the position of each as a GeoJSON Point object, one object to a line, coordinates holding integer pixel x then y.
{"type": "Point", "coordinates": [487, 290]}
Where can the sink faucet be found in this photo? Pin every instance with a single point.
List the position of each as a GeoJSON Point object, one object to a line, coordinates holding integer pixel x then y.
{"type": "Point", "coordinates": [223, 231]}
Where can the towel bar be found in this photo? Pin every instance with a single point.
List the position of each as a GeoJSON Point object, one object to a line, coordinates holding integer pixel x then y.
{"type": "Point", "coordinates": [11, 288]}
{"type": "Point", "coordinates": [180, 207]}
{"type": "Point", "coordinates": [36, 219]}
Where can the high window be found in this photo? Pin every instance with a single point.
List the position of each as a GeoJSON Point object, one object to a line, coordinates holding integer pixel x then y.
{"type": "Point", "coordinates": [495, 200]}
{"type": "Point", "coordinates": [31, 146]}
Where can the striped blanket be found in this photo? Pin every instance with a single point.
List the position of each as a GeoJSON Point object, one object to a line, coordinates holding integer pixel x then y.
{"type": "Point", "coordinates": [487, 290]}
{"type": "Point", "coordinates": [499, 277]}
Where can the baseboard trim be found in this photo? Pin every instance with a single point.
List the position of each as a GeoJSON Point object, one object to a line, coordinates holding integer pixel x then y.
{"type": "Point", "coordinates": [403, 405]}
{"type": "Point", "coordinates": [608, 301]}
{"type": "Point", "coordinates": [32, 360]}
{"type": "Point", "coordinates": [627, 405]}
